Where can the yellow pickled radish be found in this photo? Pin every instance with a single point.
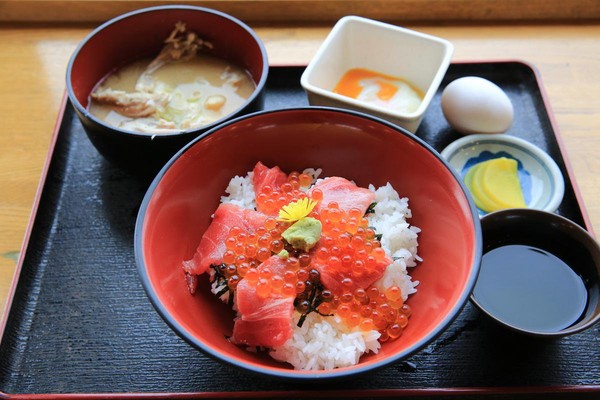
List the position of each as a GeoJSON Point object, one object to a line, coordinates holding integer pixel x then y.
{"type": "Point", "coordinates": [474, 184]}
{"type": "Point", "coordinates": [495, 184]}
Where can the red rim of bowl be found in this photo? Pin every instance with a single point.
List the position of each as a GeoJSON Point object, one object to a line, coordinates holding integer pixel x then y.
{"type": "Point", "coordinates": [259, 85]}
{"type": "Point", "coordinates": [292, 374]}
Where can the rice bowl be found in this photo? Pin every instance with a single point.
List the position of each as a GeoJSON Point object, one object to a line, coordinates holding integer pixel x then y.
{"type": "Point", "coordinates": [179, 204]}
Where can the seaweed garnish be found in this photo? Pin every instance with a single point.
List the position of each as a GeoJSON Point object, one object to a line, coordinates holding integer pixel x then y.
{"type": "Point", "coordinates": [310, 300]}
{"type": "Point", "coordinates": [308, 305]}
{"type": "Point", "coordinates": [219, 275]}
{"type": "Point", "coordinates": [371, 208]}
{"type": "Point", "coordinates": [220, 279]}
{"type": "Point", "coordinates": [378, 236]}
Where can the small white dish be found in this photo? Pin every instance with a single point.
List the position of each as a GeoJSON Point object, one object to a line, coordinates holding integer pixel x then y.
{"type": "Point", "coordinates": [541, 180]}
{"type": "Point", "coordinates": [356, 42]}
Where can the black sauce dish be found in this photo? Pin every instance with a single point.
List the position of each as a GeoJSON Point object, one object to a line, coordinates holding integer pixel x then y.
{"type": "Point", "coordinates": [540, 273]}
{"type": "Point", "coordinates": [141, 34]}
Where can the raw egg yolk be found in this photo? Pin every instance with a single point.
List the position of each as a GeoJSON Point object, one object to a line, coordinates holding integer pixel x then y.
{"type": "Point", "coordinates": [495, 185]}
{"type": "Point", "coordinates": [371, 86]}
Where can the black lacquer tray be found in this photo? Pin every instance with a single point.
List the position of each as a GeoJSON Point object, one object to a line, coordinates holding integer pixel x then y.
{"type": "Point", "coordinates": [80, 323]}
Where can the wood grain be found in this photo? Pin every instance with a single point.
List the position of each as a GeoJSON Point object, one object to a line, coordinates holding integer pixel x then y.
{"type": "Point", "coordinates": [315, 10]}
{"type": "Point", "coordinates": [34, 59]}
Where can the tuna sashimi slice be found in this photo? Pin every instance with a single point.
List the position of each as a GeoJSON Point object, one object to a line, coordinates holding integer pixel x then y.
{"type": "Point", "coordinates": [270, 332]}
{"type": "Point", "coordinates": [344, 192]}
{"type": "Point", "coordinates": [332, 277]}
{"type": "Point", "coordinates": [264, 176]}
{"type": "Point", "coordinates": [212, 245]}
{"type": "Point", "coordinates": [263, 321]}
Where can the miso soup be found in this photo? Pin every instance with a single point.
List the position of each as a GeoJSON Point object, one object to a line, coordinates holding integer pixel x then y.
{"type": "Point", "coordinates": [177, 96]}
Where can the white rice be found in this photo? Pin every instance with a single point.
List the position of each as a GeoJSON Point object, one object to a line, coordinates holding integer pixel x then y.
{"type": "Point", "coordinates": [398, 239]}
{"type": "Point", "coordinates": [325, 342]}
{"type": "Point", "coordinates": [240, 191]}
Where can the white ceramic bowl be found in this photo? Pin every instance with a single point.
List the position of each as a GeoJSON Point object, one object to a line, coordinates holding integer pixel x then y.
{"type": "Point", "coordinates": [541, 180]}
{"type": "Point", "coordinates": [356, 42]}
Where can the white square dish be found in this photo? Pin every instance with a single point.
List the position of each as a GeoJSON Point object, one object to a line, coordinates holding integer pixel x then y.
{"type": "Point", "coordinates": [356, 42]}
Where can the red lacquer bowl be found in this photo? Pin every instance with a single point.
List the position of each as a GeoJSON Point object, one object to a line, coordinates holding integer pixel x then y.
{"type": "Point", "coordinates": [178, 207]}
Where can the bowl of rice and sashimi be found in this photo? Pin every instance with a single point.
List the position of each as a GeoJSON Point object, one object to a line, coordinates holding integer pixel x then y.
{"type": "Point", "coordinates": [308, 243]}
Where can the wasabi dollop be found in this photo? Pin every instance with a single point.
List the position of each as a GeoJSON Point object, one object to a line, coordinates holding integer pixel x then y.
{"type": "Point", "coordinates": [304, 234]}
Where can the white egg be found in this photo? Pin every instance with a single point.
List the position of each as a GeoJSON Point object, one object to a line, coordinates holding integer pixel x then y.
{"type": "Point", "coordinates": [476, 105]}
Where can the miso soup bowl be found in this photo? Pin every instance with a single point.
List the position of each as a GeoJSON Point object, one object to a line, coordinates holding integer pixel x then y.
{"type": "Point", "coordinates": [179, 203]}
{"type": "Point", "coordinates": [140, 34]}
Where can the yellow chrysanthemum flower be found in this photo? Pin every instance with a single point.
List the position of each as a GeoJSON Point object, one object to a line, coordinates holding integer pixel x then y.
{"type": "Point", "coordinates": [297, 210]}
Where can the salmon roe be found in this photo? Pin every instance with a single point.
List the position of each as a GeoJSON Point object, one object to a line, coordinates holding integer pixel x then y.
{"type": "Point", "coordinates": [347, 243]}
{"type": "Point", "coordinates": [246, 250]}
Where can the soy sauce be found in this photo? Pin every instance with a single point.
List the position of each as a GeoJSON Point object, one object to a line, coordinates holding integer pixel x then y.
{"type": "Point", "coordinates": [530, 289]}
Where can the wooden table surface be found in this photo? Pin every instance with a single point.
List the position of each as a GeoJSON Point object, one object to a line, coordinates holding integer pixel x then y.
{"type": "Point", "coordinates": [34, 60]}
